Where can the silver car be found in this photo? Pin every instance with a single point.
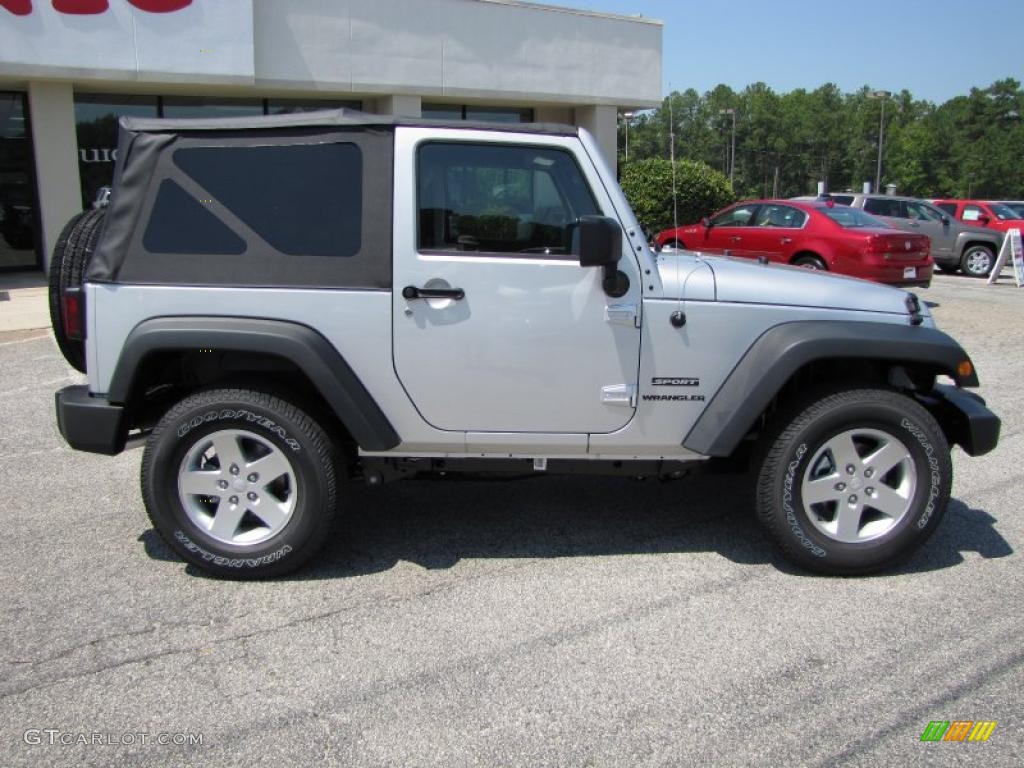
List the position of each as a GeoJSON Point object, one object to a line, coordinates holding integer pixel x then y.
{"type": "Point", "coordinates": [955, 245]}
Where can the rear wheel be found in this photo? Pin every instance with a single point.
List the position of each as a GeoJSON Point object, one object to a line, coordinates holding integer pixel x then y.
{"type": "Point", "coordinates": [239, 483]}
{"type": "Point", "coordinates": [854, 482]}
{"type": "Point", "coordinates": [70, 259]}
{"type": "Point", "coordinates": [810, 262]}
{"type": "Point", "coordinates": [978, 261]}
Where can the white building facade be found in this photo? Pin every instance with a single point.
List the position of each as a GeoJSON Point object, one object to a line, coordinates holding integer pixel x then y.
{"type": "Point", "coordinates": [70, 68]}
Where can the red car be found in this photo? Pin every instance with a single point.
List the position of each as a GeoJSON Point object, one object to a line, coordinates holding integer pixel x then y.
{"type": "Point", "coordinates": [816, 235]}
{"type": "Point", "coordinates": [982, 213]}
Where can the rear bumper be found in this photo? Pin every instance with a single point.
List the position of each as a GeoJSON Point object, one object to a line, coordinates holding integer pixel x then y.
{"type": "Point", "coordinates": [966, 420]}
{"type": "Point", "coordinates": [90, 423]}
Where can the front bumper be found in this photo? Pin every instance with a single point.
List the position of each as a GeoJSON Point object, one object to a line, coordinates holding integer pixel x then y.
{"type": "Point", "coordinates": [965, 419]}
{"type": "Point", "coordinates": [90, 423]}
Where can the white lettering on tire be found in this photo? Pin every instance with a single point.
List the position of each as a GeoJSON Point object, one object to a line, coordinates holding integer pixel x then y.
{"type": "Point", "coordinates": [787, 504]}
{"type": "Point", "coordinates": [239, 415]}
{"type": "Point", "coordinates": [933, 464]}
{"type": "Point", "coordinates": [232, 562]}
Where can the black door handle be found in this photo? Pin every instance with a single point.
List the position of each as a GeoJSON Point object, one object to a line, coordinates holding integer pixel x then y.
{"type": "Point", "coordinates": [411, 292]}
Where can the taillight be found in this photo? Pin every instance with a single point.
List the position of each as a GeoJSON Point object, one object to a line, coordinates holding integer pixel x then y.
{"type": "Point", "coordinates": [73, 306]}
{"type": "Point", "coordinates": [877, 244]}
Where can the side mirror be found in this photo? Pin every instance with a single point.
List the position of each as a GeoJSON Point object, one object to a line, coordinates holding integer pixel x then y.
{"type": "Point", "coordinates": [705, 222]}
{"type": "Point", "coordinates": [945, 219]}
{"type": "Point", "coordinates": [984, 219]}
{"type": "Point", "coordinates": [600, 242]}
{"type": "Point", "coordinates": [601, 246]}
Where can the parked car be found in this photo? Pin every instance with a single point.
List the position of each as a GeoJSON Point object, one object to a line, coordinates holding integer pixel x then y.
{"type": "Point", "coordinates": [102, 199]}
{"type": "Point", "coordinates": [347, 324]}
{"type": "Point", "coordinates": [983, 213]}
{"type": "Point", "coordinates": [1017, 206]}
{"type": "Point", "coordinates": [955, 244]}
{"type": "Point", "coordinates": [817, 234]}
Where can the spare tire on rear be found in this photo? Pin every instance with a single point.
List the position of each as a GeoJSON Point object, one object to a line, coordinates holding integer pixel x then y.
{"type": "Point", "coordinates": [71, 257]}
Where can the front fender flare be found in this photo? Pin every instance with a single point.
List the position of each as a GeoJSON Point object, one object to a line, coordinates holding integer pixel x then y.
{"type": "Point", "coordinates": [783, 349]}
{"type": "Point", "coordinates": [313, 354]}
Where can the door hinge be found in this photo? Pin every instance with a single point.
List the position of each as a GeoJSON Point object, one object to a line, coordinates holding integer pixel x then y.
{"type": "Point", "coordinates": [622, 314]}
{"type": "Point", "coordinates": [619, 394]}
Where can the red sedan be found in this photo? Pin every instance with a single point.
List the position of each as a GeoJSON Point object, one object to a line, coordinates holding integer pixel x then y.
{"type": "Point", "coordinates": [816, 235]}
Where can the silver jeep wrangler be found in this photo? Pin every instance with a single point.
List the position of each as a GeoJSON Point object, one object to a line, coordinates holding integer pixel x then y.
{"type": "Point", "coordinates": [275, 305]}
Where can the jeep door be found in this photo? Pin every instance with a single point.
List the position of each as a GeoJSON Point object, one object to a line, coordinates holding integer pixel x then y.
{"type": "Point", "coordinates": [520, 337]}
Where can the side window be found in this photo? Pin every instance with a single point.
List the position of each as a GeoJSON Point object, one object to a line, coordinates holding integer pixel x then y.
{"type": "Point", "coordinates": [842, 199]}
{"type": "Point", "coordinates": [922, 212]}
{"type": "Point", "coordinates": [779, 216]}
{"type": "Point", "coordinates": [879, 206]}
{"type": "Point", "coordinates": [181, 224]}
{"type": "Point", "coordinates": [303, 199]}
{"type": "Point", "coordinates": [740, 216]}
{"type": "Point", "coordinates": [499, 198]}
{"type": "Point", "coordinates": [972, 213]}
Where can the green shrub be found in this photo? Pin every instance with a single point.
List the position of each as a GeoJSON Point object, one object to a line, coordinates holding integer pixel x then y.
{"type": "Point", "coordinates": [700, 191]}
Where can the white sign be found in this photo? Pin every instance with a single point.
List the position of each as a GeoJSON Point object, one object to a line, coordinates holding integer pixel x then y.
{"type": "Point", "coordinates": [1012, 250]}
{"type": "Point", "coordinates": [209, 40]}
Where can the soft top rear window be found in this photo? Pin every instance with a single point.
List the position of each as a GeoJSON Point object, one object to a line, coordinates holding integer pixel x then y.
{"type": "Point", "coordinates": [303, 199]}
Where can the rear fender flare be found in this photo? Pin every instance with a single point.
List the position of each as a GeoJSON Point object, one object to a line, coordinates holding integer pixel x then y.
{"type": "Point", "coordinates": [318, 359]}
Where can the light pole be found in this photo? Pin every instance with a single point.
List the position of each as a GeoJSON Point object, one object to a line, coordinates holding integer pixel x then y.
{"type": "Point", "coordinates": [732, 151]}
{"type": "Point", "coordinates": [884, 96]}
{"type": "Point", "coordinates": [627, 116]}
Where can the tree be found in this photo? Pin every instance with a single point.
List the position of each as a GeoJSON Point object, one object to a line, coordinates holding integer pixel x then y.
{"type": "Point", "coordinates": [699, 191]}
{"type": "Point", "coordinates": [972, 145]}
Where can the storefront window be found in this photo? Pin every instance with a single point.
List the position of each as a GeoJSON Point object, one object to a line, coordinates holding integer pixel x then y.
{"type": "Point", "coordinates": [198, 106]}
{"type": "Point", "coordinates": [18, 215]}
{"type": "Point", "coordinates": [283, 106]}
{"type": "Point", "coordinates": [499, 114]}
{"type": "Point", "coordinates": [96, 118]}
{"type": "Point", "coordinates": [482, 114]}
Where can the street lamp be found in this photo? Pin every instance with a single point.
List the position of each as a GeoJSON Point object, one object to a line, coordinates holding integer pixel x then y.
{"type": "Point", "coordinates": [627, 116]}
{"type": "Point", "coordinates": [732, 151]}
{"type": "Point", "coordinates": [884, 96]}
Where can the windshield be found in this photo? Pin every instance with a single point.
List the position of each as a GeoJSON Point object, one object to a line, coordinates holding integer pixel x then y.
{"type": "Point", "coordinates": [1003, 211]}
{"type": "Point", "coordinates": [1018, 208]}
{"type": "Point", "coordinates": [852, 218]}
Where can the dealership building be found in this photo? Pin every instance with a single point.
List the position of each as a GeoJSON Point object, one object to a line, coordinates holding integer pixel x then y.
{"type": "Point", "coordinates": [70, 68]}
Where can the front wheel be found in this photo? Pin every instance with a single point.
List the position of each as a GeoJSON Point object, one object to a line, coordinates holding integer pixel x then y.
{"type": "Point", "coordinates": [978, 261]}
{"type": "Point", "coordinates": [855, 481]}
{"type": "Point", "coordinates": [241, 484]}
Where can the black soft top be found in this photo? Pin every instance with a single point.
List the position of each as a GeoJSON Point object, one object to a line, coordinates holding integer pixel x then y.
{"type": "Point", "coordinates": [330, 118]}
{"type": "Point", "coordinates": [144, 167]}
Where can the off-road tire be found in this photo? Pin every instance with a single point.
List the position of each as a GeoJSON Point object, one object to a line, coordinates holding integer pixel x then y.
{"type": "Point", "coordinates": [797, 438]}
{"type": "Point", "coordinates": [271, 421]}
{"type": "Point", "coordinates": [70, 259]}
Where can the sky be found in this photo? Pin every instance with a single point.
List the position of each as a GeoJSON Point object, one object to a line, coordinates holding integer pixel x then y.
{"type": "Point", "coordinates": [936, 49]}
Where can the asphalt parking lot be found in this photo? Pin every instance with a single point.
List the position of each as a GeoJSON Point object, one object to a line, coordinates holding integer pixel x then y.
{"type": "Point", "coordinates": [549, 621]}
